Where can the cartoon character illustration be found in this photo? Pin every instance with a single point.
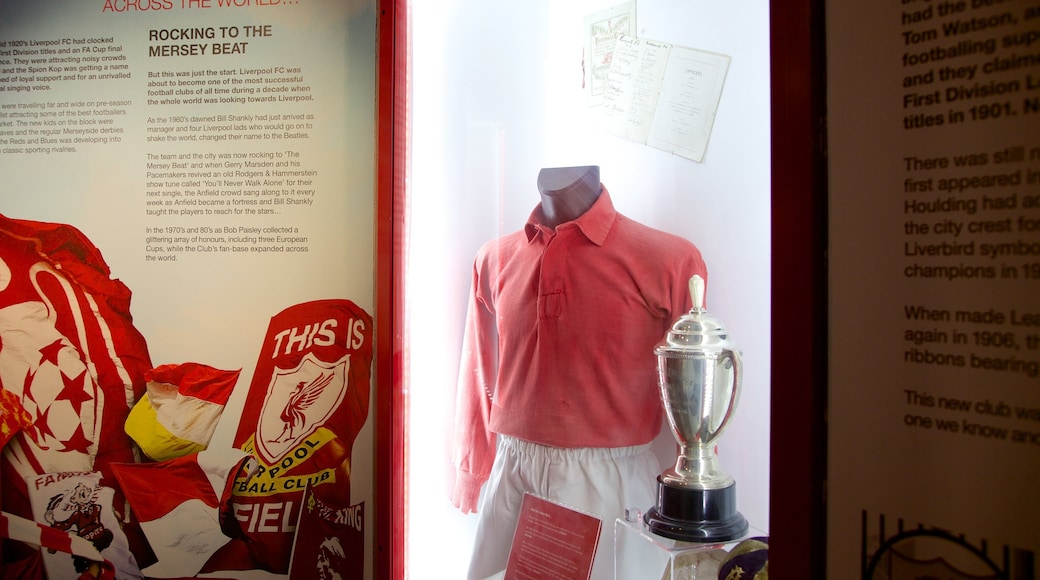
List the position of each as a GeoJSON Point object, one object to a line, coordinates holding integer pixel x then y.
{"type": "Point", "coordinates": [329, 553]}
{"type": "Point", "coordinates": [84, 519]}
{"type": "Point", "coordinates": [302, 397]}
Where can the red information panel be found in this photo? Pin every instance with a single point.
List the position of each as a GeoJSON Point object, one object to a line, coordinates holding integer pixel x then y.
{"type": "Point", "coordinates": [552, 541]}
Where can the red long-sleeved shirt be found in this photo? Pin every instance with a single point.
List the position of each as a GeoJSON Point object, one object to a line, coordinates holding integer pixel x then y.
{"type": "Point", "coordinates": [560, 335]}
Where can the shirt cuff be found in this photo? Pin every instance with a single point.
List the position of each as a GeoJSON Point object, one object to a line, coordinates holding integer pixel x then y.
{"type": "Point", "coordinates": [467, 491]}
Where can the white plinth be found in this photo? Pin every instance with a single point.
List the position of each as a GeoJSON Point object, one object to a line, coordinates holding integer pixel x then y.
{"type": "Point", "coordinates": [642, 555]}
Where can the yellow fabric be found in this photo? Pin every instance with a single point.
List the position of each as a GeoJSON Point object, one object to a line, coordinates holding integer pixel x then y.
{"type": "Point", "coordinates": [154, 439]}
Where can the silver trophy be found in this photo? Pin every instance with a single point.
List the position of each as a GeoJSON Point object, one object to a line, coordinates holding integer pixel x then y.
{"type": "Point", "coordinates": [699, 373]}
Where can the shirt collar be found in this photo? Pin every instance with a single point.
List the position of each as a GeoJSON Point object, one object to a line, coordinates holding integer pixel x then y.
{"type": "Point", "coordinates": [595, 224]}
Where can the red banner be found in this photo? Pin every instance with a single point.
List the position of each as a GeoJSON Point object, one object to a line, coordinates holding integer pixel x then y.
{"type": "Point", "coordinates": [330, 540]}
{"type": "Point", "coordinates": [306, 404]}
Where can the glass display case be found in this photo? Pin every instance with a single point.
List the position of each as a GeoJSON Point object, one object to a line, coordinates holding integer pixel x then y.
{"type": "Point", "coordinates": [500, 92]}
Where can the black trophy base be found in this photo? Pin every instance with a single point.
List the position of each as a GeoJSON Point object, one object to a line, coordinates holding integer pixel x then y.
{"type": "Point", "coordinates": [696, 515]}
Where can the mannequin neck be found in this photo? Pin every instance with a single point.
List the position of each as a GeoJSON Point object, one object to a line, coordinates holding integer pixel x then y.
{"type": "Point", "coordinates": [568, 192]}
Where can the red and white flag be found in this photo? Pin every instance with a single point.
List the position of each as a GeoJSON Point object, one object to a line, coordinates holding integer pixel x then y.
{"type": "Point", "coordinates": [78, 503]}
{"type": "Point", "coordinates": [180, 411]}
{"type": "Point", "coordinates": [307, 401]}
{"type": "Point", "coordinates": [179, 503]}
{"type": "Point", "coordinates": [43, 536]}
{"type": "Point", "coordinates": [70, 355]}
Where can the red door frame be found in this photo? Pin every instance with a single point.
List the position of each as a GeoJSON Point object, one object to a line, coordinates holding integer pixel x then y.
{"type": "Point", "coordinates": [392, 94]}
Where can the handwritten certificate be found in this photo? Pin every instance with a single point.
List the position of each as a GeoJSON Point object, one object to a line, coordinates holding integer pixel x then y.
{"type": "Point", "coordinates": [663, 95]}
{"type": "Point", "coordinates": [602, 31]}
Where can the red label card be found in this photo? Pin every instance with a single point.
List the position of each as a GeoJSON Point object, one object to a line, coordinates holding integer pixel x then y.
{"type": "Point", "coordinates": [552, 541]}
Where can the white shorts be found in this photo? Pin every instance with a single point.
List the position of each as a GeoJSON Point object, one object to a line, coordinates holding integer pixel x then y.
{"type": "Point", "coordinates": [599, 481]}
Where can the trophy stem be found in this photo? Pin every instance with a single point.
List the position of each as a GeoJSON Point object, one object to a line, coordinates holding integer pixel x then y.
{"type": "Point", "coordinates": [697, 467]}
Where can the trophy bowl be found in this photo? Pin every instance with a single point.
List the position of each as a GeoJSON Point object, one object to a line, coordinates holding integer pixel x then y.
{"type": "Point", "coordinates": [699, 373]}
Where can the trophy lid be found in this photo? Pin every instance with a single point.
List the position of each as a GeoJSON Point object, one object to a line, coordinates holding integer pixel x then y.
{"type": "Point", "coordinates": [697, 330]}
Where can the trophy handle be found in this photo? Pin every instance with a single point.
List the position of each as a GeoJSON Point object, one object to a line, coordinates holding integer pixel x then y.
{"type": "Point", "coordinates": [733, 358]}
{"type": "Point", "coordinates": [738, 375]}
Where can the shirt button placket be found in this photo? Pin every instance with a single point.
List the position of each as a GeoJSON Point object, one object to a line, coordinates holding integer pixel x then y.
{"type": "Point", "coordinates": [550, 279]}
